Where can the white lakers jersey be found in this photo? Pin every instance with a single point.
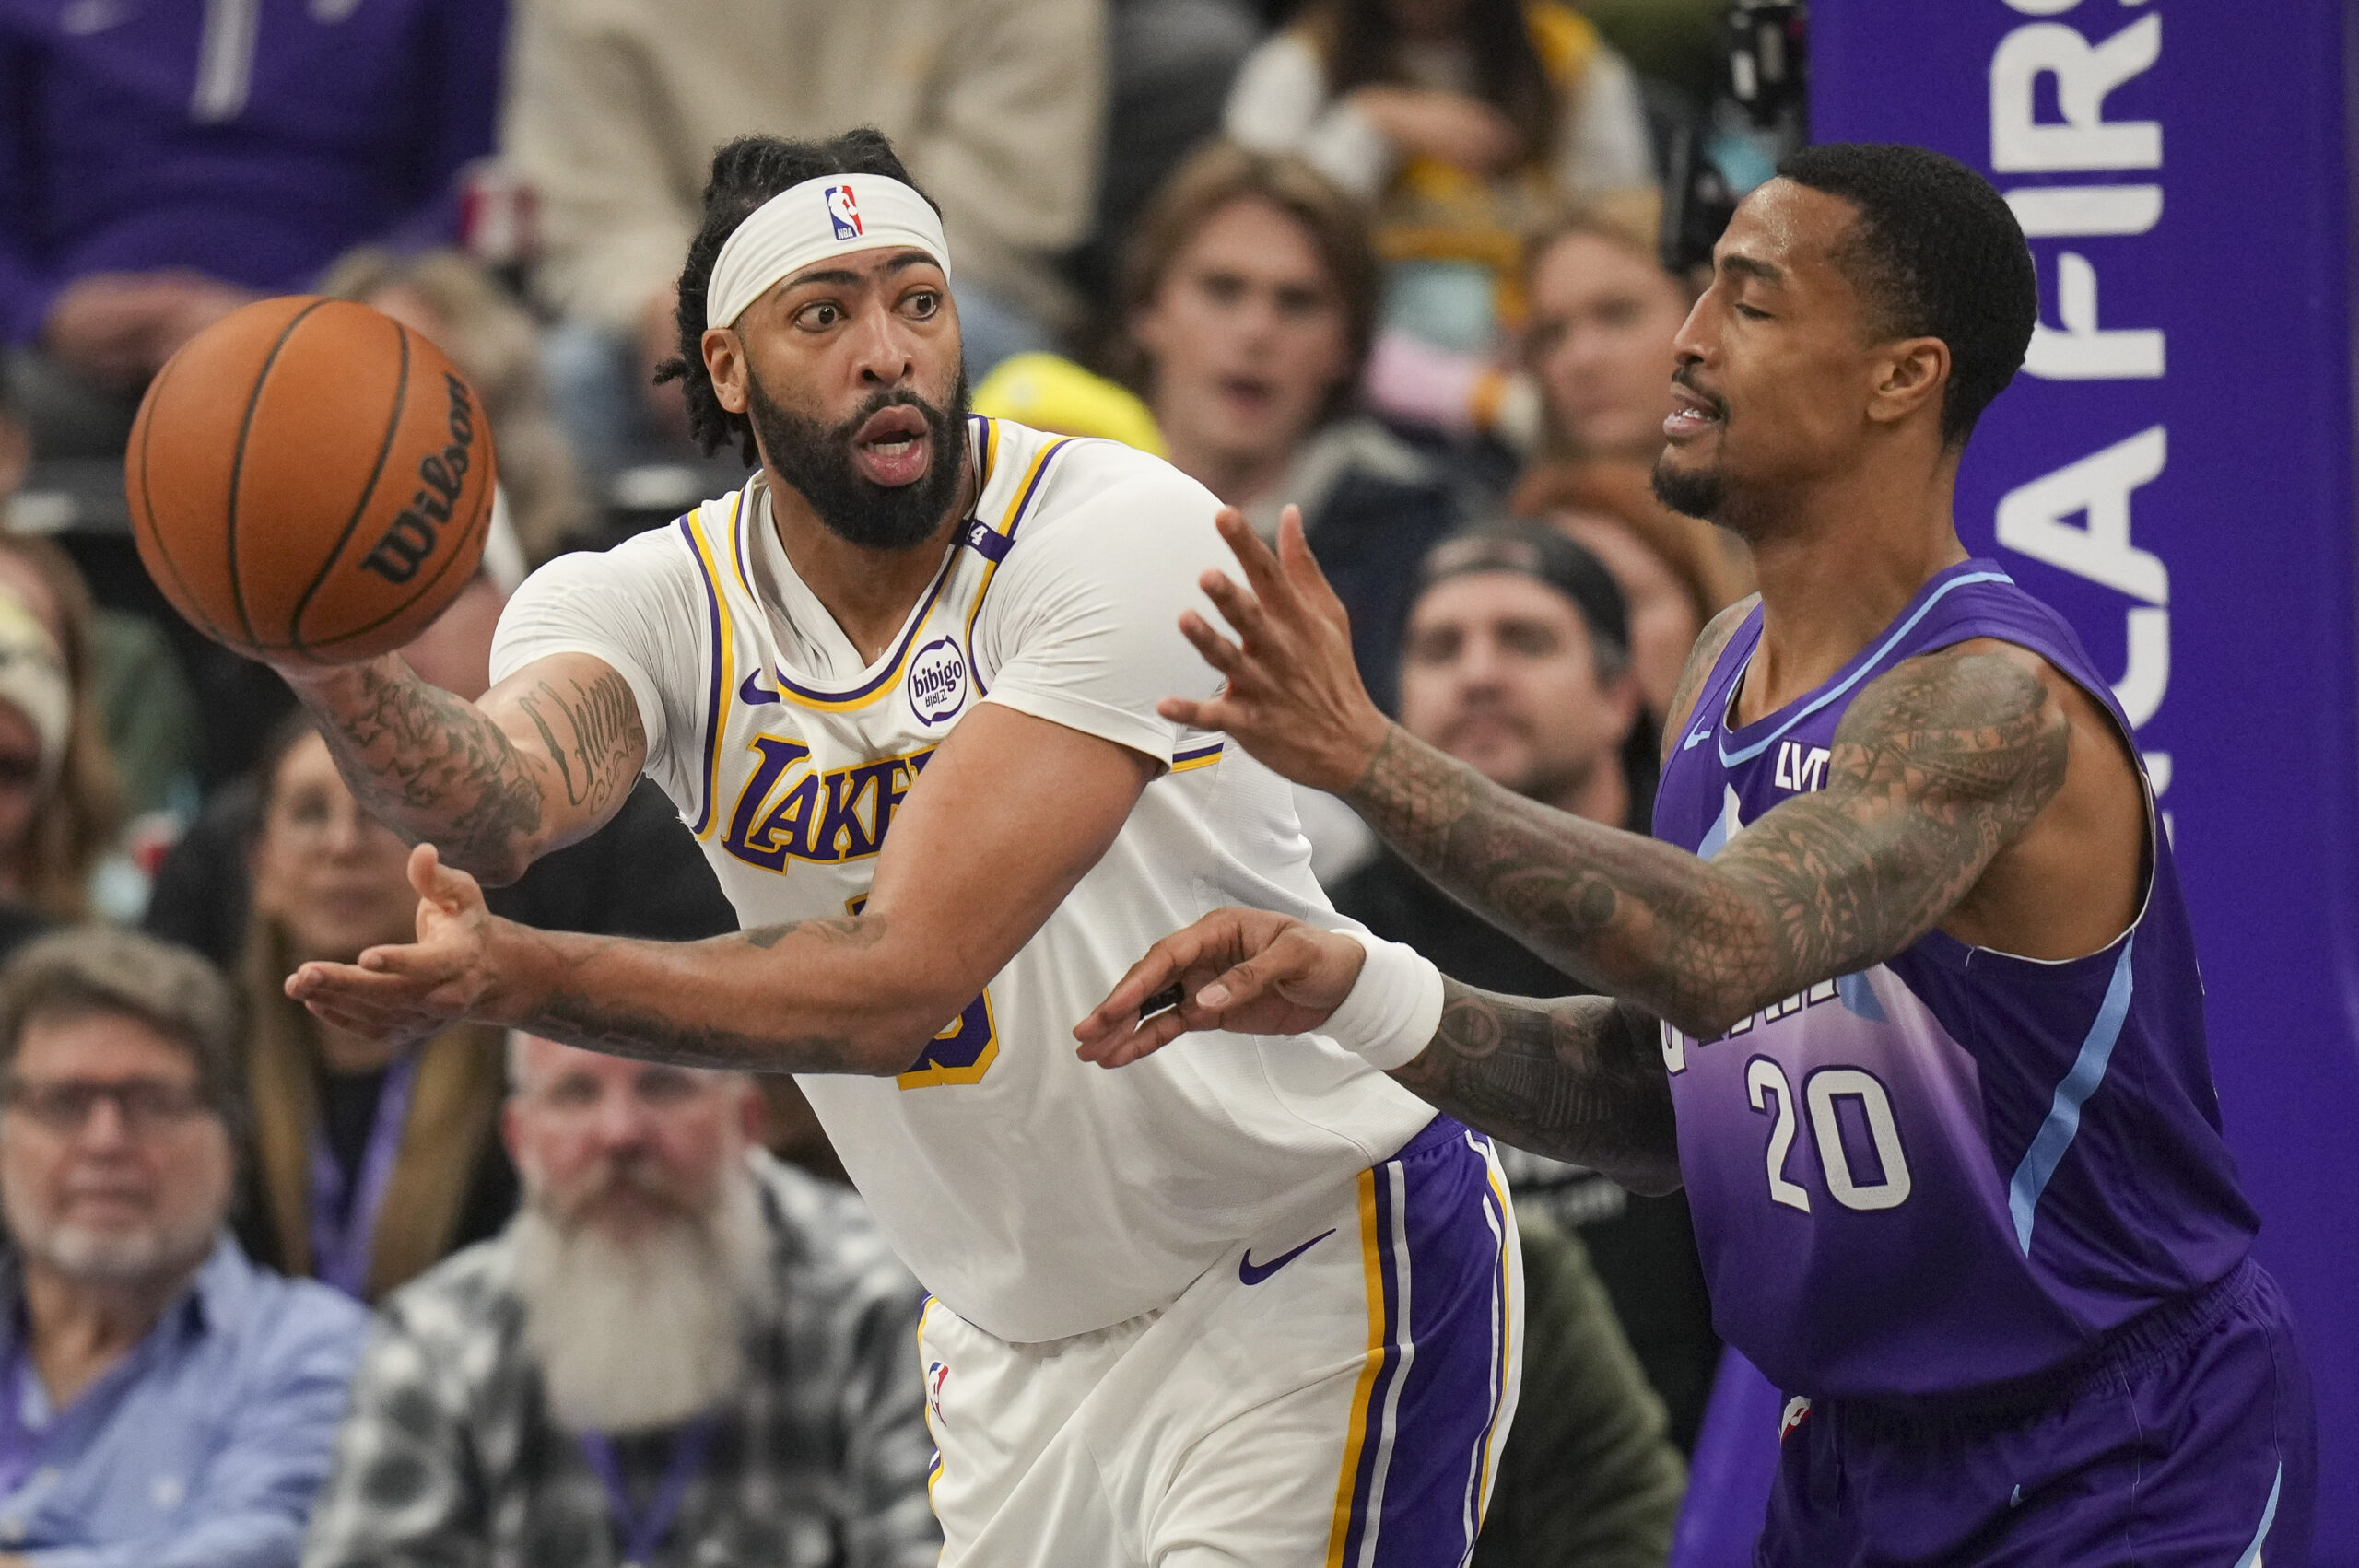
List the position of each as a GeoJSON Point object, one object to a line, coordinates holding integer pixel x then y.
{"type": "Point", "coordinates": [1035, 1195]}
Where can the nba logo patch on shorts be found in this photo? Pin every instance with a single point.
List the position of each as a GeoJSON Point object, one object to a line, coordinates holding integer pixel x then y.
{"type": "Point", "coordinates": [843, 211]}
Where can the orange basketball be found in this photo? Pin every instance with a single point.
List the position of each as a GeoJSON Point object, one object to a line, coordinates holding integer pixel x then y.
{"type": "Point", "coordinates": [308, 477]}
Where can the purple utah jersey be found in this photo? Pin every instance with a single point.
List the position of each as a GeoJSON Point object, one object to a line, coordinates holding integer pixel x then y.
{"type": "Point", "coordinates": [1958, 1167]}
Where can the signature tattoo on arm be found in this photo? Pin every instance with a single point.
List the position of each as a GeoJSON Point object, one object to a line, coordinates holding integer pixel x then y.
{"type": "Point", "coordinates": [1936, 768]}
{"type": "Point", "coordinates": [1578, 1078]}
{"type": "Point", "coordinates": [601, 729]}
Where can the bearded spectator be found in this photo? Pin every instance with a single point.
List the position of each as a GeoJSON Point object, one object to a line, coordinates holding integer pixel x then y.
{"type": "Point", "coordinates": [680, 1352]}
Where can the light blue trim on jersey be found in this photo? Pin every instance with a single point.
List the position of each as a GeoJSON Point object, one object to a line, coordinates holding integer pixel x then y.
{"type": "Point", "coordinates": [2055, 1135]}
{"type": "Point", "coordinates": [1728, 759]}
{"type": "Point", "coordinates": [2251, 1559]}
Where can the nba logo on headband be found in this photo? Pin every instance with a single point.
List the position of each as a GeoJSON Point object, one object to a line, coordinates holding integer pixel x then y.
{"type": "Point", "coordinates": [843, 212]}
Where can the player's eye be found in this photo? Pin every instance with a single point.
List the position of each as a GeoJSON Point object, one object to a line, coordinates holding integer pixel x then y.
{"type": "Point", "coordinates": [924, 304]}
{"type": "Point", "coordinates": [819, 316]}
{"type": "Point", "coordinates": [1750, 313]}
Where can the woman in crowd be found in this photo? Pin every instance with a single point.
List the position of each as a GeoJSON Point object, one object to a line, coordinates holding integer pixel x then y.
{"type": "Point", "coordinates": [61, 803]}
{"type": "Point", "coordinates": [1465, 122]}
{"type": "Point", "coordinates": [370, 1161]}
{"type": "Point", "coordinates": [447, 299]}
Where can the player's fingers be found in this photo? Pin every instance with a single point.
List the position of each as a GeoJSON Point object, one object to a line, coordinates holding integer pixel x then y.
{"type": "Point", "coordinates": [1146, 1039]}
{"type": "Point", "coordinates": [1217, 650]}
{"type": "Point", "coordinates": [1303, 570]}
{"type": "Point", "coordinates": [1194, 714]}
{"type": "Point", "coordinates": [1261, 566]}
{"type": "Point", "coordinates": [1241, 610]}
{"type": "Point", "coordinates": [412, 961]}
{"type": "Point", "coordinates": [1153, 974]}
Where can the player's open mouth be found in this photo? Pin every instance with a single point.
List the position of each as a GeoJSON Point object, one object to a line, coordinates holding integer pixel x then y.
{"type": "Point", "coordinates": [893, 447]}
{"type": "Point", "coordinates": [1691, 414]}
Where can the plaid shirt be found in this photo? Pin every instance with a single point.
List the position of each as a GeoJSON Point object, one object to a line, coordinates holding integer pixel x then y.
{"type": "Point", "coordinates": [449, 1456]}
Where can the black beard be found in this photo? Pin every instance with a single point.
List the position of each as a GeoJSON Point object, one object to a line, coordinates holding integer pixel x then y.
{"type": "Point", "coordinates": [1700, 494]}
{"type": "Point", "coordinates": [817, 463]}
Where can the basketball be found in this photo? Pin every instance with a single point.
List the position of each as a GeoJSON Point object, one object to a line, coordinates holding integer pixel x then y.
{"type": "Point", "coordinates": [308, 477]}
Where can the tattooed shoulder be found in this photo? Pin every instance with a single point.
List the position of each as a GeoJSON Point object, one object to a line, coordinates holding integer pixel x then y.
{"type": "Point", "coordinates": [1975, 723]}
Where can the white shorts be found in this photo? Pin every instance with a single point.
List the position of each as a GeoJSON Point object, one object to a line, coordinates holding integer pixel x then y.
{"type": "Point", "coordinates": [1336, 1395]}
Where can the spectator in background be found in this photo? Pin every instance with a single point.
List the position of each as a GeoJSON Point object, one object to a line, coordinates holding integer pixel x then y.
{"type": "Point", "coordinates": [142, 718]}
{"type": "Point", "coordinates": [450, 301]}
{"type": "Point", "coordinates": [1675, 572]}
{"type": "Point", "coordinates": [167, 1404]}
{"type": "Point", "coordinates": [1250, 293]}
{"type": "Point", "coordinates": [998, 105]}
{"type": "Point", "coordinates": [1465, 123]}
{"type": "Point", "coordinates": [1517, 661]}
{"type": "Point", "coordinates": [1601, 316]}
{"type": "Point", "coordinates": [1604, 313]}
{"type": "Point", "coordinates": [160, 166]}
{"type": "Point", "coordinates": [370, 1162]}
{"type": "Point", "coordinates": [680, 1352]}
{"type": "Point", "coordinates": [60, 804]}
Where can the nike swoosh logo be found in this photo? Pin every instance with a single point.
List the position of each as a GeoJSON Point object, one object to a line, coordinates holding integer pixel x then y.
{"type": "Point", "coordinates": [753, 694]}
{"type": "Point", "coordinates": [1695, 738]}
{"type": "Point", "coordinates": [1253, 1273]}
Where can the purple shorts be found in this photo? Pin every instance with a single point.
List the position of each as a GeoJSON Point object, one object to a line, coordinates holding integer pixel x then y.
{"type": "Point", "coordinates": [2184, 1440]}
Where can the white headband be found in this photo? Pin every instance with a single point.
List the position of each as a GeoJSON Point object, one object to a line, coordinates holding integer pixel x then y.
{"type": "Point", "coordinates": [831, 216]}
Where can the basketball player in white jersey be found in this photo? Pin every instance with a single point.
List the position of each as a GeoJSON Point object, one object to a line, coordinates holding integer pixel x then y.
{"type": "Point", "coordinates": [1248, 1303]}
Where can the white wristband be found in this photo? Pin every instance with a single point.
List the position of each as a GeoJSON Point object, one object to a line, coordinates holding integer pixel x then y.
{"type": "Point", "coordinates": [1395, 1007]}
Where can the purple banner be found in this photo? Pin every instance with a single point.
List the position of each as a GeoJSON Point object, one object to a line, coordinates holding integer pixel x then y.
{"type": "Point", "coordinates": [2172, 472]}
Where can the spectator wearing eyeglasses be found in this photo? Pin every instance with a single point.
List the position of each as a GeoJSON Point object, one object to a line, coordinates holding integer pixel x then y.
{"type": "Point", "coordinates": [164, 1403]}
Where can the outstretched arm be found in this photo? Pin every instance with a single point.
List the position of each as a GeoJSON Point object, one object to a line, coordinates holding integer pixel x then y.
{"type": "Point", "coordinates": [979, 857]}
{"type": "Point", "coordinates": [542, 761]}
{"type": "Point", "coordinates": [1576, 1078]}
{"type": "Point", "coordinates": [1937, 766]}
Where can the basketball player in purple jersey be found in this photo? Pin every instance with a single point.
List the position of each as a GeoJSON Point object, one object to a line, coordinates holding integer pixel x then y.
{"type": "Point", "coordinates": [1906, 995]}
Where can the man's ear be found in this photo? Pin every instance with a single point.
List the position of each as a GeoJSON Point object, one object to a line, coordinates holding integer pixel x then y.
{"type": "Point", "coordinates": [509, 1137]}
{"type": "Point", "coordinates": [724, 357]}
{"type": "Point", "coordinates": [1909, 374]}
{"type": "Point", "coordinates": [754, 1113]}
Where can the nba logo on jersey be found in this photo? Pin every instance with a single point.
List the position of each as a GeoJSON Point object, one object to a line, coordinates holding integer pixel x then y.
{"type": "Point", "coordinates": [937, 681]}
{"type": "Point", "coordinates": [843, 212]}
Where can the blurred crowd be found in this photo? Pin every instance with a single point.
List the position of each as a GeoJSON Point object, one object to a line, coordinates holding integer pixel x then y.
{"type": "Point", "coordinates": [274, 1293]}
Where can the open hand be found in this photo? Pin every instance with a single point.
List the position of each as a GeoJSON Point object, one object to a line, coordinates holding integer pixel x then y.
{"type": "Point", "coordinates": [409, 992]}
{"type": "Point", "coordinates": [1246, 970]}
{"type": "Point", "coordinates": [1294, 698]}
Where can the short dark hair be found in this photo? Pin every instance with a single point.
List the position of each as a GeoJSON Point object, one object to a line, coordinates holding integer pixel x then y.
{"type": "Point", "coordinates": [103, 970]}
{"type": "Point", "coordinates": [1935, 252]}
{"type": "Point", "coordinates": [746, 173]}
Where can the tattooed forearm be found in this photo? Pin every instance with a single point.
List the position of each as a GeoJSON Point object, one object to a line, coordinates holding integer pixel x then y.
{"type": "Point", "coordinates": [631, 998]}
{"type": "Point", "coordinates": [595, 754]}
{"type": "Point", "coordinates": [1578, 1078]}
{"type": "Point", "coordinates": [490, 784]}
{"type": "Point", "coordinates": [432, 766]}
{"type": "Point", "coordinates": [649, 1035]}
{"type": "Point", "coordinates": [1936, 768]}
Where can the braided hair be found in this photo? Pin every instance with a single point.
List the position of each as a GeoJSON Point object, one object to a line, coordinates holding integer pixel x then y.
{"type": "Point", "coordinates": [746, 173]}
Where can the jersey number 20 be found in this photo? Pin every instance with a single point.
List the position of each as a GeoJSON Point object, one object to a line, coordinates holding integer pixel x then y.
{"type": "Point", "coordinates": [1766, 1088]}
